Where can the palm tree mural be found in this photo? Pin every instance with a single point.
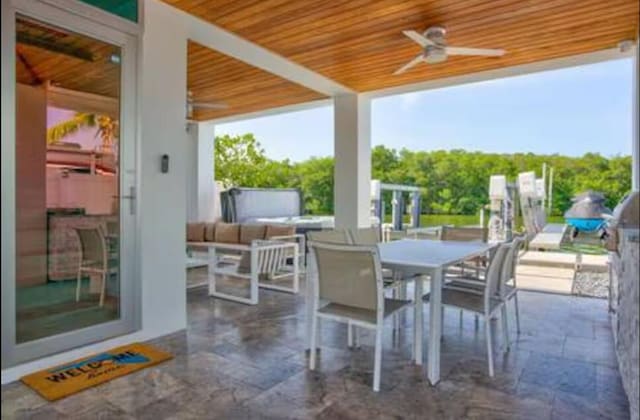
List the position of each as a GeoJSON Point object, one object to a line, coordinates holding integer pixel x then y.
{"type": "Point", "coordinates": [107, 129]}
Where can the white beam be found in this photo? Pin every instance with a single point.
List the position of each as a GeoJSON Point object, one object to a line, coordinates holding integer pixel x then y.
{"type": "Point", "coordinates": [271, 112]}
{"type": "Point", "coordinates": [191, 187]}
{"type": "Point", "coordinates": [206, 168]}
{"type": "Point", "coordinates": [538, 66]}
{"type": "Point", "coordinates": [352, 173]}
{"type": "Point", "coordinates": [218, 39]}
{"type": "Point", "coordinates": [162, 197]}
{"type": "Point", "coordinates": [572, 61]}
{"type": "Point", "coordinates": [200, 173]}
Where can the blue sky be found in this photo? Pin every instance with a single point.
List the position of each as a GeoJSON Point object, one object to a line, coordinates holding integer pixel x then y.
{"type": "Point", "coordinates": [570, 111]}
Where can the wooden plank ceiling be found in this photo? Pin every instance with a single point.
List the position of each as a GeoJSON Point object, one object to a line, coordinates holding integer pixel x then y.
{"type": "Point", "coordinates": [216, 78]}
{"type": "Point", "coordinates": [65, 59]}
{"type": "Point", "coordinates": [359, 43]}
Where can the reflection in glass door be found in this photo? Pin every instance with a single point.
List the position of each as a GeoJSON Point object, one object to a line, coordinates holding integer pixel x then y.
{"type": "Point", "coordinates": [68, 171]}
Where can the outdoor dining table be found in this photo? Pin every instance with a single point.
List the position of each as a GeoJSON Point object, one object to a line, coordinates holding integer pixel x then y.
{"type": "Point", "coordinates": [431, 258]}
{"type": "Point", "coordinates": [428, 257]}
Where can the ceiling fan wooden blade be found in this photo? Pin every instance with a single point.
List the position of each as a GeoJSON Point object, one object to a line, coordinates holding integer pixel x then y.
{"type": "Point", "coordinates": [474, 51]}
{"type": "Point", "coordinates": [416, 60]}
{"type": "Point", "coordinates": [418, 38]}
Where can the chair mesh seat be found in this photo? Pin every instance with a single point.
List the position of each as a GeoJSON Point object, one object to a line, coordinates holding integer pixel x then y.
{"type": "Point", "coordinates": [465, 300]}
{"type": "Point", "coordinates": [460, 283]}
{"type": "Point", "coordinates": [365, 315]}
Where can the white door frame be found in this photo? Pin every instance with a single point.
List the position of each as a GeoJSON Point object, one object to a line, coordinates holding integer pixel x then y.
{"type": "Point", "coordinates": [13, 353]}
{"type": "Point", "coordinates": [635, 111]}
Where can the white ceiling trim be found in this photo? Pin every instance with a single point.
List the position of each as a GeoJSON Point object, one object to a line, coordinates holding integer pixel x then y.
{"type": "Point", "coordinates": [270, 112]}
{"type": "Point", "coordinates": [522, 69]}
{"type": "Point", "coordinates": [571, 61]}
{"type": "Point", "coordinates": [218, 39]}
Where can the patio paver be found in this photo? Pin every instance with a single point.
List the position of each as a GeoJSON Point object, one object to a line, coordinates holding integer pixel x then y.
{"type": "Point", "coordinates": [546, 279]}
{"type": "Point", "coordinates": [238, 361]}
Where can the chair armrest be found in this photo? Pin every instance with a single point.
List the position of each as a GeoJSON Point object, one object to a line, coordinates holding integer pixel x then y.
{"type": "Point", "coordinates": [472, 267]}
{"type": "Point", "coordinates": [284, 237]}
{"type": "Point", "coordinates": [465, 272]}
{"type": "Point", "coordinates": [221, 245]}
{"type": "Point", "coordinates": [296, 237]}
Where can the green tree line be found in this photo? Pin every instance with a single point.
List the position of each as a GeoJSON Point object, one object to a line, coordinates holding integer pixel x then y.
{"type": "Point", "coordinates": [452, 182]}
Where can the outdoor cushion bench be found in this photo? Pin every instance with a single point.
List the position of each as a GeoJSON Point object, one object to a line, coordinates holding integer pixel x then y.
{"type": "Point", "coordinates": [261, 254]}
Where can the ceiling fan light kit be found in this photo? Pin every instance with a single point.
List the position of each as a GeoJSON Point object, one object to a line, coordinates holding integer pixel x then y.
{"type": "Point", "coordinates": [435, 49]}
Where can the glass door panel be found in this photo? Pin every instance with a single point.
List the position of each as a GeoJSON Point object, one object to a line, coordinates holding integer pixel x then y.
{"type": "Point", "coordinates": [68, 167]}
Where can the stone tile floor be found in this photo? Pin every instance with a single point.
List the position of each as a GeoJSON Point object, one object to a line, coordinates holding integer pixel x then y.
{"type": "Point", "coordinates": [243, 362]}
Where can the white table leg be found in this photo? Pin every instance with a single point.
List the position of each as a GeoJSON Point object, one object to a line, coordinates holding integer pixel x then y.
{"type": "Point", "coordinates": [211, 267]}
{"type": "Point", "coordinates": [417, 319]}
{"type": "Point", "coordinates": [309, 305]}
{"type": "Point", "coordinates": [296, 271]}
{"type": "Point", "coordinates": [435, 327]}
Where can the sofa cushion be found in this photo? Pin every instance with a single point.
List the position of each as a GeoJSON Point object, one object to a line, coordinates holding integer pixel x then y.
{"type": "Point", "coordinates": [210, 232]}
{"type": "Point", "coordinates": [228, 233]}
{"type": "Point", "coordinates": [195, 232]}
{"type": "Point", "coordinates": [249, 233]}
{"type": "Point", "coordinates": [279, 230]}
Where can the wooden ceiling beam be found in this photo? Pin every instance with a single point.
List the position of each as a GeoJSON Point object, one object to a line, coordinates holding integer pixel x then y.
{"type": "Point", "coordinates": [24, 37]}
{"type": "Point", "coordinates": [34, 76]}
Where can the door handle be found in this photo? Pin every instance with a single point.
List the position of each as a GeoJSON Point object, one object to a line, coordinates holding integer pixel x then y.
{"type": "Point", "coordinates": [132, 199]}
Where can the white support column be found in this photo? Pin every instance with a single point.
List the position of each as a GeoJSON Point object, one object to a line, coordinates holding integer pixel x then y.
{"type": "Point", "coordinates": [635, 145]}
{"type": "Point", "coordinates": [206, 171]}
{"type": "Point", "coordinates": [191, 156]}
{"type": "Point", "coordinates": [162, 197]}
{"type": "Point", "coordinates": [352, 149]}
{"type": "Point", "coordinates": [200, 172]}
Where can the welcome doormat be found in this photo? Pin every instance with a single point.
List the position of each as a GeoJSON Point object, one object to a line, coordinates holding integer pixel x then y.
{"type": "Point", "coordinates": [63, 380]}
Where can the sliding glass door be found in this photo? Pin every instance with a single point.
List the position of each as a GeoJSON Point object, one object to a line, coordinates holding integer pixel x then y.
{"type": "Point", "coordinates": [73, 276]}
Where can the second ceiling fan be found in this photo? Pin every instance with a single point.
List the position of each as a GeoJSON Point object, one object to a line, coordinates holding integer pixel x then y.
{"type": "Point", "coordinates": [435, 48]}
{"type": "Point", "coordinates": [192, 105]}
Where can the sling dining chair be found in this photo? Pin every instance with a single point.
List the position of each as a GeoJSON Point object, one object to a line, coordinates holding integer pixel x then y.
{"type": "Point", "coordinates": [93, 258]}
{"type": "Point", "coordinates": [350, 289]}
{"type": "Point", "coordinates": [483, 301]}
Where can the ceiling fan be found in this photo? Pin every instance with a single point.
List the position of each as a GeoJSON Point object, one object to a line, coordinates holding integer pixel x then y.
{"type": "Point", "coordinates": [435, 49]}
{"type": "Point", "coordinates": [193, 105]}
